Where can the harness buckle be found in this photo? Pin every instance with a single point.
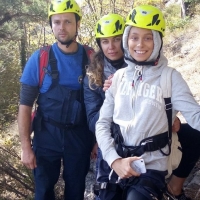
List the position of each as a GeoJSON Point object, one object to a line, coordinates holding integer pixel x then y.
{"type": "Point", "coordinates": [103, 185]}
{"type": "Point", "coordinates": [100, 186]}
{"type": "Point", "coordinates": [168, 106]}
{"type": "Point", "coordinates": [146, 141]}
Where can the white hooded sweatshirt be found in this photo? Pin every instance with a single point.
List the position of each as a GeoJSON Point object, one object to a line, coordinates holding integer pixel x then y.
{"type": "Point", "coordinates": [139, 109]}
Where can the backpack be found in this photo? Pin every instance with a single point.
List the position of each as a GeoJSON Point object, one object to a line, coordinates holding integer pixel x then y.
{"type": "Point", "coordinates": [44, 58]}
{"type": "Point", "coordinates": [166, 86]}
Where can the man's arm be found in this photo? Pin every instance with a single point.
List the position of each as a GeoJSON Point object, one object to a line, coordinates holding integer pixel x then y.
{"type": "Point", "coordinates": [27, 96]}
{"type": "Point", "coordinates": [24, 125]}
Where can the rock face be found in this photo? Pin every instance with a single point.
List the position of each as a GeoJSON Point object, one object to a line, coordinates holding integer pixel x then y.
{"type": "Point", "coordinates": [192, 183]}
{"type": "Point", "coordinates": [169, 2]}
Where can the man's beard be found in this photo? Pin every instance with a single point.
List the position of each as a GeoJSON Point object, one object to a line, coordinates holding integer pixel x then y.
{"type": "Point", "coordinates": [66, 42]}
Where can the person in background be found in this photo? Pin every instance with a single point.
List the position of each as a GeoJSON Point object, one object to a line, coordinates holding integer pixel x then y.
{"type": "Point", "coordinates": [60, 126]}
{"type": "Point", "coordinates": [142, 43]}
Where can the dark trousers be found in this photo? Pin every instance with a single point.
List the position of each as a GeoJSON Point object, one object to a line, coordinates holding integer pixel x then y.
{"type": "Point", "coordinates": [148, 186]}
{"type": "Point", "coordinates": [75, 168]}
{"type": "Point", "coordinates": [110, 195]}
{"type": "Point", "coordinates": [132, 195]}
{"type": "Point", "coordinates": [190, 142]}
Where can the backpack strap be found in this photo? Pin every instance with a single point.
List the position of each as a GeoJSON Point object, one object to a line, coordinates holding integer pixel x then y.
{"type": "Point", "coordinates": [46, 57]}
{"type": "Point", "coordinates": [54, 69]}
{"type": "Point", "coordinates": [87, 56]}
{"type": "Point", "coordinates": [166, 82]}
{"type": "Point", "coordinates": [89, 52]}
{"type": "Point", "coordinates": [166, 86]}
{"type": "Point", "coordinates": [43, 62]}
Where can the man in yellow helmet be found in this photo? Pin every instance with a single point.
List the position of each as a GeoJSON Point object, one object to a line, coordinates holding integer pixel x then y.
{"type": "Point", "coordinates": [60, 127]}
{"type": "Point", "coordinates": [58, 10]}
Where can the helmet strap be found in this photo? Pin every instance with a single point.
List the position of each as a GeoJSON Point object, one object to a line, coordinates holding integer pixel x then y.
{"type": "Point", "coordinates": [99, 44]}
{"type": "Point", "coordinates": [117, 64]}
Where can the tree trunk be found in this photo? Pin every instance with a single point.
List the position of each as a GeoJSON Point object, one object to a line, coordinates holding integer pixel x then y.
{"type": "Point", "coordinates": [23, 46]}
{"type": "Point", "coordinates": [183, 12]}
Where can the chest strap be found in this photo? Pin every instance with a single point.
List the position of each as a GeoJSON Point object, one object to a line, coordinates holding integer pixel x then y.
{"type": "Point", "coordinates": [57, 124]}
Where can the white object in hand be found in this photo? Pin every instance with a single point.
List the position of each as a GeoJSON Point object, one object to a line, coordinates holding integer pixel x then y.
{"type": "Point", "coordinates": [139, 166]}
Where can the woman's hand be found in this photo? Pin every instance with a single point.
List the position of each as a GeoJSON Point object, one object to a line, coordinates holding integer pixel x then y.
{"type": "Point", "coordinates": [122, 167]}
{"type": "Point", "coordinates": [177, 124]}
{"type": "Point", "coordinates": [107, 83]}
{"type": "Point", "coordinates": [94, 151]}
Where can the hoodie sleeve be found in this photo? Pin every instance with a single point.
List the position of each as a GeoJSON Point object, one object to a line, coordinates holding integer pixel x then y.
{"type": "Point", "coordinates": [183, 101]}
{"type": "Point", "coordinates": [103, 125]}
{"type": "Point", "coordinates": [93, 102]}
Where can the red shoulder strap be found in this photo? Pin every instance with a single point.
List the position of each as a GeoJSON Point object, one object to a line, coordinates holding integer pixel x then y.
{"type": "Point", "coordinates": [43, 61]}
{"type": "Point", "coordinates": [89, 51]}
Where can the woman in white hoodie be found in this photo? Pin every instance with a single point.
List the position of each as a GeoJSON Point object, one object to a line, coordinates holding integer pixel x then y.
{"type": "Point", "coordinates": [138, 108]}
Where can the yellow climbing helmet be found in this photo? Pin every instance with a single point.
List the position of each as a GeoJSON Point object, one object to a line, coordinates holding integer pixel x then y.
{"type": "Point", "coordinates": [147, 16]}
{"type": "Point", "coordinates": [109, 25]}
{"type": "Point", "coordinates": [64, 6]}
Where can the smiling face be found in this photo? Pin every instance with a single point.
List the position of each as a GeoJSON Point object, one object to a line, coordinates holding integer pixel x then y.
{"type": "Point", "coordinates": [64, 27]}
{"type": "Point", "coordinates": [140, 43]}
{"type": "Point", "coordinates": [111, 47]}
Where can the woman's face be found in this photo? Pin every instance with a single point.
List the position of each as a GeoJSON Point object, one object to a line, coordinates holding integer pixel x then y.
{"type": "Point", "coordinates": [140, 43]}
{"type": "Point", "coordinates": [111, 47]}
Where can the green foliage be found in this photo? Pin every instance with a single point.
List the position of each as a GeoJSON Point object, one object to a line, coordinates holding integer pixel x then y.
{"type": "Point", "coordinates": [148, 2]}
{"type": "Point", "coordinates": [9, 83]}
{"type": "Point", "coordinates": [93, 10]}
{"type": "Point", "coordinates": [180, 23]}
{"type": "Point", "coordinates": [173, 17]}
{"type": "Point", "coordinates": [21, 23]}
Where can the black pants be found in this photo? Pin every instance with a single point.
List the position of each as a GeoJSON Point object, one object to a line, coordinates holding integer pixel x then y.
{"type": "Point", "coordinates": [190, 142]}
{"type": "Point", "coordinates": [146, 187]}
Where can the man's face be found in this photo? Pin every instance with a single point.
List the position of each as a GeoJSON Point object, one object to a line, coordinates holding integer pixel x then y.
{"type": "Point", "coordinates": [64, 26]}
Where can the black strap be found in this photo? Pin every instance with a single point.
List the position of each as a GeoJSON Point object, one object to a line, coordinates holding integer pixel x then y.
{"type": "Point", "coordinates": [149, 144]}
{"type": "Point", "coordinates": [168, 109]}
{"type": "Point", "coordinates": [54, 69]}
{"type": "Point", "coordinates": [57, 124]}
{"type": "Point", "coordinates": [106, 186]}
{"type": "Point", "coordinates": [84, 63]}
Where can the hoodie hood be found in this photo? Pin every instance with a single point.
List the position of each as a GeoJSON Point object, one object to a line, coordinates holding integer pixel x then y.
{"type": "Point", "coordinates": [157, 47]}
{"type": "Point", "coordinates": [136, 69]}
